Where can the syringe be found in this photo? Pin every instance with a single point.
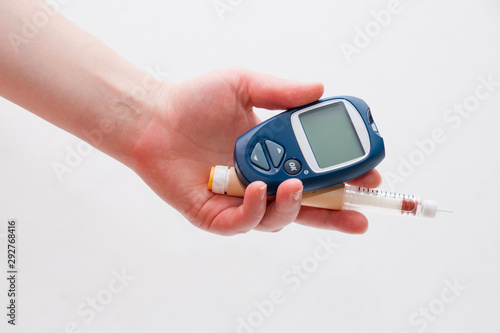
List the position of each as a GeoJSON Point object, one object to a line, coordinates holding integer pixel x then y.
{"type": "Point", "coordinates": [223, 180]}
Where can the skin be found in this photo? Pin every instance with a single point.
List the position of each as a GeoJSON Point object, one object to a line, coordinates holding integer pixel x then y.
{"type": "Point", "coordinates": [170, 134]}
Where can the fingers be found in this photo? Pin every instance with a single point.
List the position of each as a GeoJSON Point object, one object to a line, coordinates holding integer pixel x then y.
{"type": "Point", "coordinates": [256, 213]}
{"type": "Point", "coordinates": [241, 219]}
{"type": "Point", "coordinates": [266, 91]}
{"type": "Point", "coordinates": [371, 179]}
{"type": "Point", "coordinates": [285, 208]}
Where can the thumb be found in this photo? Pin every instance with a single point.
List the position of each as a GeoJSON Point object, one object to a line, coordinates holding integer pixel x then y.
{"type": "Point", "coordinates": [269, 92]}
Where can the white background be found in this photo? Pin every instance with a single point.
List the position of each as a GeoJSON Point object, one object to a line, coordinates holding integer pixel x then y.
{"type": "Point", "coordinates": [76, 235]}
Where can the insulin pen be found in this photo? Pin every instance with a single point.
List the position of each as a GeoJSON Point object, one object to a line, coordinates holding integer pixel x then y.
{"type": "Point", "coordinates": [223, 180]}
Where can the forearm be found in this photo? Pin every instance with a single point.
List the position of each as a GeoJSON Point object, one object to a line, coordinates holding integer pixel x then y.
{"type": "Point", "coordinates": [56, 70]}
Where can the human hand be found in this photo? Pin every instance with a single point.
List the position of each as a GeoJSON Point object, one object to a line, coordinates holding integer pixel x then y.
{"type": "Point", "coordinates": [194, 126]}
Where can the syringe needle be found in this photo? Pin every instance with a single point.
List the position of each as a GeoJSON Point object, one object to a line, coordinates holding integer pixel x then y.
{"type": "Point", "coordinates": [445, 211]}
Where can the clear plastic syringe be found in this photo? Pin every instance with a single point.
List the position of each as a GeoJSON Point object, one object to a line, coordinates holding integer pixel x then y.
{"type": "Point", "coordinates": [372, 199]}
{"type": "Point", "coordinates": [223, 180]}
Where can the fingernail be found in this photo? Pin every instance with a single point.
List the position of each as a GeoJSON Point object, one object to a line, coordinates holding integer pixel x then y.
{"type": "Point", "coordinates": [296, 195]}
{"type": "Point", "coordinates": [263, 192]}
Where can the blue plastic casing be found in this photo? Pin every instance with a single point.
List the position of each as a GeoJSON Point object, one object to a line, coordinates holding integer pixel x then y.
{"type": "Point", "coordinates": [278, 129]}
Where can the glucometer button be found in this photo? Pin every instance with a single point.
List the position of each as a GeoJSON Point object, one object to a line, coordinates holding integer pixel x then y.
{"type": "Point", "coordinates": [258, 158]}
{"type": "Point", "coordinates": [292, 167]}
{"type": "Point", "coordinates": [276, 152]}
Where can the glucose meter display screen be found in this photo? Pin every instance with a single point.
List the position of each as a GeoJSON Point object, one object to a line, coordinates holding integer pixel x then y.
{"type": "Point", "coordinates": [331, 134]}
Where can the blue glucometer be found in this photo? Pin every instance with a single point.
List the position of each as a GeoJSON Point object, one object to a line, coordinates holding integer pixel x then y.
{"type": "Point", "coordinates": [324, 143]}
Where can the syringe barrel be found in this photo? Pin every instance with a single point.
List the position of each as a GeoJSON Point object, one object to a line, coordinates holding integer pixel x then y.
{"type": "Point", "coordinates": [359, 198]}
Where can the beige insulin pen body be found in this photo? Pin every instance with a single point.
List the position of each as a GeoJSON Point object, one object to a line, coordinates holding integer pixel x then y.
{"type": "Point", "coordinates": [223, 180]}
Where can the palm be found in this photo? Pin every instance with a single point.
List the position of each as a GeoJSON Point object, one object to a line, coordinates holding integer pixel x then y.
{"type": "Point", "coordinates": [198, 131]}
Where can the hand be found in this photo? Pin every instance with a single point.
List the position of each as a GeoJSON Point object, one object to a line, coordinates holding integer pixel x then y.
{"type": "Point", "coordinates": [194, 126]}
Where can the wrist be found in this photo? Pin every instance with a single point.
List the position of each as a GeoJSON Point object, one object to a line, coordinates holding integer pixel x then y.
{"type": "Point", "coordinates": [122, 123]}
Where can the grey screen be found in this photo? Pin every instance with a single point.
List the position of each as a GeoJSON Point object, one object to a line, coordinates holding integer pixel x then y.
{"type": "Point", "coordinates": [331, 134]}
